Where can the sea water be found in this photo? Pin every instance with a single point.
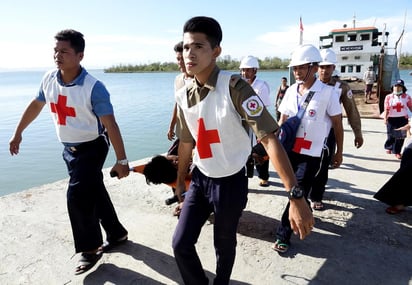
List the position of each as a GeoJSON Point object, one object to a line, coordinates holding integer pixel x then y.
{"type": "Point", "coordinates": [143, 104]}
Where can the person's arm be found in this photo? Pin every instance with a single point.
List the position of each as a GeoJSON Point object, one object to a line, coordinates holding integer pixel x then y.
{"type": "Point", "coordinates": [338, 131]}
{"type": "Point", "coordinates": [115, 137]}
{"type": "Point", "coordinates": [353, 115]}
{"type": "Point", "coordinates": [185, 157]}
{"type": "Point", "coordinates": [386, 109]}
{"type": "Point", "coordinates": [171, 133]}
{"type": "Point", "coordinates": [31, 113]}
{"type": "Point", "coordinates": [300, 215]}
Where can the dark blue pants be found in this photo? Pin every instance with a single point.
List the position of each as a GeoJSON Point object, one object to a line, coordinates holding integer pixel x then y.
{"type": "Point", "coordinates": [392, 143]}
{"type": "Point", "coordinates": [263, 170]}
{"type": "Point", "coordinates": [88, 201]}
{"type": "Point", "coordinates": [226, 197]}
{"type": "Point", "coordinates": [321, 179]}
{"type": "Point", "coordinates": [305, 168]}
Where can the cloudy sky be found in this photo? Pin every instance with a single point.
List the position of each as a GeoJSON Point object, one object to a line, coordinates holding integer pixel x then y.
{"type": "Point", "coordinates": [141, 31]}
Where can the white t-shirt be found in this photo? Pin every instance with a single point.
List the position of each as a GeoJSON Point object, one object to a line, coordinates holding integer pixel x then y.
{"type": "Point", "coordinates": [316, 122]}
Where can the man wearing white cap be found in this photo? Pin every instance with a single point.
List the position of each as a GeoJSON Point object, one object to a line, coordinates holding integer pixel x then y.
{"type": "Point", "coordinates": [323, 111]}
{"type": "Point", "coordinates": [328, 76]}
{"type": "Point", "coordinates": [248, 70]}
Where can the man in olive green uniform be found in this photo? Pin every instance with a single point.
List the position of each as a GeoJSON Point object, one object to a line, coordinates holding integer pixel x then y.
{"type": "Point", "coordinates": [326, 75]}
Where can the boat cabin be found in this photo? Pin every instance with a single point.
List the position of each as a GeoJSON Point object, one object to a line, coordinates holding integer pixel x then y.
{"type": "Point", "coordinates": [356, 49]}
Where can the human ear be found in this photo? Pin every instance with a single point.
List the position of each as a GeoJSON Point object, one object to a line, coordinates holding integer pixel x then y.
{"type": "Point", "coordinates": [217, 51]}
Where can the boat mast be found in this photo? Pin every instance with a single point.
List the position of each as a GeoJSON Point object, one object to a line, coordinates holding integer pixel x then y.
{"type": "Point", "coordinates": [400, 40]}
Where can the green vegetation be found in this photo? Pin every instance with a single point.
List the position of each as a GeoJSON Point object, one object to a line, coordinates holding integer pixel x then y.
{"type": "Point", "coordinates": [226, 63]}
{"type": "Point", "coordinates": [405, 61]}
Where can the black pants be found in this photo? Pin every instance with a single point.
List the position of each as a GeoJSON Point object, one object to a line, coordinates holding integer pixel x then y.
{"type": "Point", "coordinates": [226, 197]}
{"type": "Point", "coordinates": [88, 201]}
{"type": "Point", "coordinates": [393, 143]}
{"type": "Point", "coordinates": [321, 179]}
{"type": "Point", "coordinates": [305, 168]}
{"type": "Point", "coordinates": [262, 169]}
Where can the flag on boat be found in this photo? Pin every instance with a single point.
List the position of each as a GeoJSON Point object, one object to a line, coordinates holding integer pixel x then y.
{"type": "Point", "coordinates": [300, 24]}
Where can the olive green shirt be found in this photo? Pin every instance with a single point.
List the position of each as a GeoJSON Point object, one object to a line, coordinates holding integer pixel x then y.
{"type": "Point", "coordinates": [349, 104]}
{"type": "Point", "coordinates": [240, 91]}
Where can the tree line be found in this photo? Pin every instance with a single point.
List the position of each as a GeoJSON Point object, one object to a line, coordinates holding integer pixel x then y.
{"type": "Point", "coordinates": [226, 63]}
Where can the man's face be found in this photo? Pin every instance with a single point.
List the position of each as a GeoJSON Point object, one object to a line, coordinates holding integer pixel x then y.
{"type": "Point", "coordinates": [65, 56]}
{"type": "Point", "coordinates": [180, 61]}
{"type": "Point", "coordinates": [248, 73]}
{"type": "Point", "coordinates": [301, 71]}
{"type": "Point", "coordinates": [325, 72]}
{"type": "Point", "coordinates": [199, 56]}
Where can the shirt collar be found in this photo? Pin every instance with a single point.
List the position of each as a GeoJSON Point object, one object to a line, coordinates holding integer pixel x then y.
{"type": "Point", "coordinates": [212, 80]}
{"type": "Point", "coordinates": [79, 80]}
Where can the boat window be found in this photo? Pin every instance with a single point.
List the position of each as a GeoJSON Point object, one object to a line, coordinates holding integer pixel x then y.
{"type": "Point", "coordinates": [342, 69]}
{"type": "Point", "coordinates": [358, 68]}
{"type": "Point", "coordinates": [344, 58]}
{"type": "Point", "coordinates": [365, 37]}
{"type": "Point", "coordinates": [357, 56]}
{"type": "Point", "coordinates": [350, 68]}
{"type": "Point", "coordinates": [339, 39]}
{"type": "Point", "coordinates": [351, 38]}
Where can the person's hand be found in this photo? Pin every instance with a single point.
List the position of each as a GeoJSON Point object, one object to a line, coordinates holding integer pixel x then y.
{"type": "Point", "coordinates": [171, 135]}
{"type": "Point", "coordinates": [14, 144]}
{"type": "Point", "coordinates": [406, 127]}
{"type": "Point", "coordinates": [178, 209]}
{"type": "Point", "coordinates": [301, 217]}
{"type": "Point", "coordinates": [120, 170]}
{"type": "Point", "coordinates": [337, 160]}
{"type": "Point", "coordinates": [358, 141]}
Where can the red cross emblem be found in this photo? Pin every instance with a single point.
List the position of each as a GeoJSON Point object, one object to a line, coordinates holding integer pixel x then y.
{"type": "Point", "coordinates": [62, 110]}
{"type": "Point", "coordinates": [204, 139]}
{"type": "Point", "coordinates": [301, 143]}
{"type": "Point", "coordinates": [398, 107]}
{"type": "Point", "coordinates": [252, 105]}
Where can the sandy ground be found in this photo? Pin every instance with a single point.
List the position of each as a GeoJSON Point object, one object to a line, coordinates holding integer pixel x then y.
{"type": "Point", "coordinates": [354, 240]}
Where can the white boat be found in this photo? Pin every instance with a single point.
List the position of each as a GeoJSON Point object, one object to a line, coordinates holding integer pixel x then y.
{"type": "Point", "coordinates": [357, 49]}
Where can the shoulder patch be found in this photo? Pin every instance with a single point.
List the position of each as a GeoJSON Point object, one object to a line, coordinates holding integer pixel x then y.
{"type": "Point", "coordinates": [253, 106]}
{"type": "Point", "coordinates": [349, 94]}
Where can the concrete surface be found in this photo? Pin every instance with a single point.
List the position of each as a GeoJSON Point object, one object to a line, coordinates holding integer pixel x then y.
{"type": "Point", "coordinates": [354, 240]}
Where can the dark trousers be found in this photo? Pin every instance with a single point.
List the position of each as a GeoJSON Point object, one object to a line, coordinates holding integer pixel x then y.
{"type": "Point", "coordinates": [88, 201]}
{"type": "Point", "coordinates": [320, 180]}
{"type": "Point", "coordinates": [305, 168]}
{"type": "Point", "coordinates": [393, 143]}
{"type": "Point", "coordinates": [394, 192]}
{"type": "Point", "coordinates": [226, 197]}
{"type": "Point", "coordinates": [263, 170]}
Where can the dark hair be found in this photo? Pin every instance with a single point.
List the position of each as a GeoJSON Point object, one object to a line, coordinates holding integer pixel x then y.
{"type": "Point", "coordinates": [160, 170]}
{"type": "Point", "coordinates": [74, 37]}
{"type": "Point", "coordinates": [178, 47]}
{"type": "Point", "coordinates": [205, 25]}
{"type": "Point", "coordinates": [284, 78]}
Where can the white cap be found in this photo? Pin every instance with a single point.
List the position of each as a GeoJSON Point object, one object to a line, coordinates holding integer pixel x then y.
{"type": "Point", "coordinates": [328, 57]}
{"type": "Point", "coordinates": [249, 62]}
{"type": "Point", "coordinates": [305, 54]}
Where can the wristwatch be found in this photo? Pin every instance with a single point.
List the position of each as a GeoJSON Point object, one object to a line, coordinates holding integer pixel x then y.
{"type": "Point", "coordinates": [123, 161]}
{"type": "Point", "coordinates": [295, 193]}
